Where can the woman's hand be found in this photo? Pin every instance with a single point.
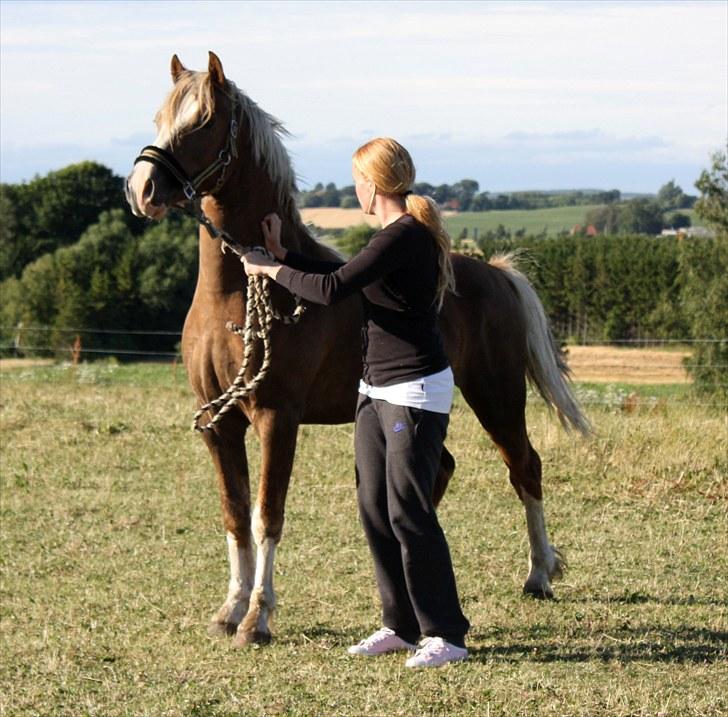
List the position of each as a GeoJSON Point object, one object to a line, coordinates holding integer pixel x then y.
{"type": "Point", "coordinates": [271, 226]}
{"type": "Point", "coordinates": [256, 263]}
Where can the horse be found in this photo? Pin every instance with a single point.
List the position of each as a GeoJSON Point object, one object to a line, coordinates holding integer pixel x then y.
{"type": "Point", "coordinates": [214, 142]}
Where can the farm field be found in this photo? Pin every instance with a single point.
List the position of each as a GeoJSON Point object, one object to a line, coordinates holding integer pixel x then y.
{"type": "Point", "coordinates": [608, 364]}
{"type": "Point", "coordinates": [113, 559]}
{"type": "Point", "coordinates": [533, 221]}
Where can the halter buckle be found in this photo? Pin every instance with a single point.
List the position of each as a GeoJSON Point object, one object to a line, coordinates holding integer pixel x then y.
{"type": "Point", "coordinates": [189, 191]}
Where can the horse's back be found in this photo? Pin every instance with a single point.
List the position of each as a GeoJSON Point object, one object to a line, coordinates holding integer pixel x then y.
{"type": "Point", "coordinates": [482, 323]}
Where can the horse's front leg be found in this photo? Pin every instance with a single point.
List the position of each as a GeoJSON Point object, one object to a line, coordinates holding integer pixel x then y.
{"type": "Point", "coordinates": [226, 444]}
{"type": "Point", "coordinates": [277, 431]}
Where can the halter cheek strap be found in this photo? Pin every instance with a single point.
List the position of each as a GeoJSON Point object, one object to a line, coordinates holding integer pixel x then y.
{"type": "Point", "coordinates": [191, 186]}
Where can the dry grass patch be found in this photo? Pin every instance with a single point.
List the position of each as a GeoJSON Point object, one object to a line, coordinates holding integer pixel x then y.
{"type": "Point", "coordinates": [608, 364]}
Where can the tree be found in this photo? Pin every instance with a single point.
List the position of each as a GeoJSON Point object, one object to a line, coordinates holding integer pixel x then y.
{"type": "Point", "coordinates": [442, 193]}
{"type": "Point", "coordinates": [464, 191]}
{"type": "Point", "coordinates": [704, 276]}
{"type": "Point", "coordinates": [605, 219]}
{"type": "Point", "coordinates": [670, 196]}
{"type": "Point", "coordinates": [166, 281]}
{"type": "Point", "coordinates": [53, 211]}
{"type": "Point", "coordinates": [678, 220]}
{"type": "Point", "coordinates": [11, 259]}
{"type": "Point", "coordinates": [349, 202]}
{"type": "Point", "coordinates": [481, 202]}
{"type": "Point", "coordinates": [424, 188]}
{"type": "Point", "coordinates": [713, 187]}
{"type": "Point", "coordinates": [640, 216]}
{"type": "Point", "coordinates": [355, 239]}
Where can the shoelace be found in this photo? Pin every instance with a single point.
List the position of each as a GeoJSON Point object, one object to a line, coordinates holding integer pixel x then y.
{"type": "Point", "coordinates": [431, 646]}
{"type": "Point", "coordinates": [375, 638]}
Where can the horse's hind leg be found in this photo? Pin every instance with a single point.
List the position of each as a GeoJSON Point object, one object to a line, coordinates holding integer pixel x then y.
{"type": "Point", "coordinates": [506, 425]}
{"type": "Point", "coordinates": [226, 444]}
{"type": "Point", "coordinates": [444, 473]}
{"type": "Point", "coordinates": [546, 562]}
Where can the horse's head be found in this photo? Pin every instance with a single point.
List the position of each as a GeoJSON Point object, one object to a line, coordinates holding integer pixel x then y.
{"type": "Point", "coordinates": [197, 139]}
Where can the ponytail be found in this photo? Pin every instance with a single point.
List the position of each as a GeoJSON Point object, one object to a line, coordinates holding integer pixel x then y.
{"type": "Point", "coordinates": [425, 211]}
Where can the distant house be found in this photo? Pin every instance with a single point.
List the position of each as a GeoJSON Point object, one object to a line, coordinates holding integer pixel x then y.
{"type": "Point", "coordinates": [693, 232]}
{"type": "Point", "coordinates": [588, 231]}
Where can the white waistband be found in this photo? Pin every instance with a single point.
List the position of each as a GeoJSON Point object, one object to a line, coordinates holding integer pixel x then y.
{"type": "Point", "coordinates": [430, 393]}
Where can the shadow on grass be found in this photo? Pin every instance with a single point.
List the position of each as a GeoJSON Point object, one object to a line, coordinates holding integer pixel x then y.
{"type": "Point", "coordinates": [539, 643]}
{"type": "Point", "coordinates": [644, 644]}
{"type": "Point", "coordinates": [640, 598]}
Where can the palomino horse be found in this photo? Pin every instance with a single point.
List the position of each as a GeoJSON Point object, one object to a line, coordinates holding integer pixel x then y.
{"type": "Point", "coordinates": [215, 142]}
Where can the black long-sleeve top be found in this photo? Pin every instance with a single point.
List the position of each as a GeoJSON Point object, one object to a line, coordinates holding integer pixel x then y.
{"type": "Point", "coordinates": [397, 273]}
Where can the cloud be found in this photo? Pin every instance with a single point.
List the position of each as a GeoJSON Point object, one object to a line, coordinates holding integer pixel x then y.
{"type": "Point", "coordinates": [584, 142]}
{"type": "Point", "coordinates": [492, 85]}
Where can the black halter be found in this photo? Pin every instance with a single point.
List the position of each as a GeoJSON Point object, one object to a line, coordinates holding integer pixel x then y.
{"type": "Point", "coordinates": [191, 185]}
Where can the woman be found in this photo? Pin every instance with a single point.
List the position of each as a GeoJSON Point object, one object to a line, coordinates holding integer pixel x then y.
{"type": "Point", "coordinates": [405, 397]}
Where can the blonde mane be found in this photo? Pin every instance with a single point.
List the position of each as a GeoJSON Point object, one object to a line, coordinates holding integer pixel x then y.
{"type": "Point", "coordinates": [265, 132]}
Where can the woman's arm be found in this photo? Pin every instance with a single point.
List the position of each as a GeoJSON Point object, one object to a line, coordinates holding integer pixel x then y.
{"type": "Point", "coordinates": [381, 256]}
{"type": "Point", "coordinates": [385, 252]}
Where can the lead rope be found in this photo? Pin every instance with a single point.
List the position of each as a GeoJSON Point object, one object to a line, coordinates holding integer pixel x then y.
{"type": "Point", "coordinates": [258, 321]}
{"type": "Point", "coordinates": [259, 316]}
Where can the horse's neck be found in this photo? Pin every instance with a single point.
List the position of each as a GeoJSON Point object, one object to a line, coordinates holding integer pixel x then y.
{"type": "Point", "coordinates": [239, 212]}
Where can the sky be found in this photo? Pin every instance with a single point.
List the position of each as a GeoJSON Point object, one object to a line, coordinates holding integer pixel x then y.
{"type": "Point", "coordinates": [516, 95]}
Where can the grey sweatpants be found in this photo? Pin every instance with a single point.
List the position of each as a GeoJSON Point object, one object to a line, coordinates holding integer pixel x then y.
{"type": "Point", "coordinates": [397, 458]}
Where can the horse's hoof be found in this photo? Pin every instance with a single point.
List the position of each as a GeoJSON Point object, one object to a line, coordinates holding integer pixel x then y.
{"type": "Point", "coordinates": [538, 592]}
{"type": "Point", "coordinates": [222, 629]}
{"type": "Point", "coordinates": [251, 637]}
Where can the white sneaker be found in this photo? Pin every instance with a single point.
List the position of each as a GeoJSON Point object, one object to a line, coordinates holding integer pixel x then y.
{"type": "Point", "coordinates": [382, 641]}
{"type": "Point", "coordinates": [434, 652]}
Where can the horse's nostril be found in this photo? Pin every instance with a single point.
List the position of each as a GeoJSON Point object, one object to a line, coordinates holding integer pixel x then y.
{"type": "Point", "coordinates": [148, 192]}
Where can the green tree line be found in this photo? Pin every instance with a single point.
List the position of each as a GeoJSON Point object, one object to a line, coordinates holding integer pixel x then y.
{"type": "Point", "coordinates": [74, 257]}
{"type": "Point", "coordinates": [466, 195]}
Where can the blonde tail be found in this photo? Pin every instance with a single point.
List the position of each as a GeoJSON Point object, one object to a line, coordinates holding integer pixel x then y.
{"type": "Point", "coordinates": [545, 366]}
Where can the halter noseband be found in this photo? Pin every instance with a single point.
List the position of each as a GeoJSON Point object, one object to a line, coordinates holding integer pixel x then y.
{"type": "Point", "coordinates": [191, 185]}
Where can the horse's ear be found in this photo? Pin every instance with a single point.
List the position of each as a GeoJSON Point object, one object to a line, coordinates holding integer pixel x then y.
{"type": "Point", "coordinates": [215, 69]}
{"type": "Point", "coordinates": [176, 68]}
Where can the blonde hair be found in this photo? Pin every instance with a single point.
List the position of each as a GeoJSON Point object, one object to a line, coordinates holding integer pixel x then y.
{"type": "Point", "coordinates": [387, 164]}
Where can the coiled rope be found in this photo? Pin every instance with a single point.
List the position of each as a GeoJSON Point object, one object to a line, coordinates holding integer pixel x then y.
{"type": "Point", "coordinates": [259, 317]}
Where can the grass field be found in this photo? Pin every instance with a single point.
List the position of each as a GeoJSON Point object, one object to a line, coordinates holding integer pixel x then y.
{"type": "Point", "coordinates": [113, 559]}
{"type": "Point", "coordinates": [533, 221]}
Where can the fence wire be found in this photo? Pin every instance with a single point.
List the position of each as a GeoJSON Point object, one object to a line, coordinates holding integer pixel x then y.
{"type": "Point", "coordinates": [17, 347]}
{"type": "Point", "coordinates": [172, 354]}
{"type": "Point", "coordinates": [648, 341]}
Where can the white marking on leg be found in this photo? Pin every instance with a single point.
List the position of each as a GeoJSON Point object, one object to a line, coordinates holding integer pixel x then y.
{"type": "Point", "coordinates": [542, 557]}
{"type": "Point", "coordinates": [242, 567]}
{"type": "Point", "coordinates": [263, 598]}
